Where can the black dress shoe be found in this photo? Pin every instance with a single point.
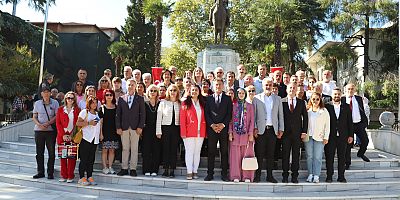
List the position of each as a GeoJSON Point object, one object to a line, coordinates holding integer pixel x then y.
{"type": "Point", "coordinates": [347, 167]}
{"type": "Point", "coordinates": [165, 174]}
{"type": "Point", "coordinates": [133, 173]}
{"type": "Point", "coordinates": [295, 180]}
{"type": "Point", "coordinates": [50, 176]}
{"type": "Point", "coordinates": [171, 174]}
{"type": "Point", "coordinates": [209, 178]}
{"type": "Point", "coordinates": [365, 158]}
{"type": "Point", "coordinates": [342, 180]}
{"type": "Point", "coordinates": [36, 176]}
{"type": "Point", "coordinates": [256, 179]}
{"type": "Point", "coordinates": [123, 172]}
{"type": "Point", "coordinates": [328, 180]}
{"type": "Point", "coordinates": [285, 180]}
{"type": "Point", "coordinates": [224, 178]}
{"type": "Point", "coordinates": [271, 180]}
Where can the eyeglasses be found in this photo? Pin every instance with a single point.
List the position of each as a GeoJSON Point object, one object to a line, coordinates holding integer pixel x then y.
{"type": "Point", "coordinates": [220, 72]}
{"type": "Point", "coordinates": [109, 95]}
{"type": "Point", "coordinates": [173, 90]}
{"type": "Point", "coordinates": [153, 90]}
{"type": "Point", "coordinates": [252, 90]}
{"type": "Point", "coordinates": [78, 84]}
{"type": "Point", "coordinates": [103, 81]}
{"type": "Point", "coordinates": [315, 99]}
{"type": "Point", "coordinates": [70, 98]}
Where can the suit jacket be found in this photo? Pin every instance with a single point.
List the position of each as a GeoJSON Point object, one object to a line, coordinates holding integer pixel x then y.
{"type": "Point", "coordinates": [222, 114]}
{"type": "Point", "coordinates": [296, 122]}
{"type": "Point", "coordinates": [277, 114]}
{"type": "Point", "coordinates": [326, 99]}
{"type": "Point", "coordinates": [133, 117]}
{"type": "Point", "coordinates": [364, 119]}
{"type": "Point", "coordinates": [189, 123]}
{"type": "Point", "coordinates": [62, 121]}
{"type": "Point", "coordinates": [282, 90]}
{"type": "Point", "coordinates": [235, 87]}
{"type": "Point", "coordinates": [343, 124]}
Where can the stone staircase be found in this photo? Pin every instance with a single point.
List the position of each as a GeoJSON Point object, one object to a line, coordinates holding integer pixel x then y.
{"type": "Point", "coordinates": [379, 179]}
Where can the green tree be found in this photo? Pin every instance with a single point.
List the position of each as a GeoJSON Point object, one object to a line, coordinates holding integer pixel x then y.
{"type": "Point", "coordinates": [140, 36]}
{"type": "Point", "coordinates": [389, 47]}
{"type": "Point", "coordinates": [119, 51]}
{"type": "Point", "coordinates": [36, 4]}
{"type": "Point", "coordinates": [347, 16]}
{"type": "Point", "coordinates": [180, 56]}
{"type": "Point", "coordinates": [155, 10]}
{"type": "Point", "coordinates": [333, 54]}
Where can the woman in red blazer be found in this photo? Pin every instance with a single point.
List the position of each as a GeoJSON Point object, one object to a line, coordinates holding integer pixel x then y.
{"type": "Point", "coordinates": [193, 129]}
{"type": "Point", "coordinates": [66, 118]}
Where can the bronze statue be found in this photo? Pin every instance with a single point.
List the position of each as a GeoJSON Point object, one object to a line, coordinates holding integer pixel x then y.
{"type": "Point", "coordinates": [219, 19]}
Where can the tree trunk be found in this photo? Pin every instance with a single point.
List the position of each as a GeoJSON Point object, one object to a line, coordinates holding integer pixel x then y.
{"type": "Point", "coordinates": [278, 44]}
{"type": "Point", "coordinates": [366, 46]}
{"type": "Point", "coordinates": [118, 63]}
{"type": "Point", "coordinates": [291, 49]}
{"type": "Point", "coordinates": [157, 43]}
{"type": "Point", "coordinates": [334, 68]}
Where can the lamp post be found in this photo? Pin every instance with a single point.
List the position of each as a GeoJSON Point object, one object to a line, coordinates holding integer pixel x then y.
{"type": "Point", "coordinates": [44, 41]}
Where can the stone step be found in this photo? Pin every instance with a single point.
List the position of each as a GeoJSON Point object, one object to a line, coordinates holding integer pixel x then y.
{"type": "Point", "coordinates": [366, 174]}
{"type": "Point", "coordinates": [27, 139]}
{"type": "Point", "coordinates": [214, 189]}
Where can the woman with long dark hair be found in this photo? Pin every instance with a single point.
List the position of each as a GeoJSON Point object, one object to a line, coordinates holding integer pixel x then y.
{"type": "Point", "coordinates": [193, 129]}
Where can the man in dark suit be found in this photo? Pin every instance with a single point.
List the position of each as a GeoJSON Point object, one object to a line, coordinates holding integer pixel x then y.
{"type": "Point", "coordinates": [341, 125]}
{"type": "Point", "coordinates": [130, 118]}
{"type": "Point", "coordinates": [296, 124]}
{"type": "Point", "coordinates": [231, 82]}
{"type": "Point", "coordinates": [278, 80]}
{"type": "Point", "coordinates": [360, 122]}
{"type": "Point", "coordinates": [218, 114]}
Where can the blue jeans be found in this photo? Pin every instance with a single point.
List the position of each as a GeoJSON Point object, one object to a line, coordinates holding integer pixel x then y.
{"type": "Point", "coordinates": [314, 151]}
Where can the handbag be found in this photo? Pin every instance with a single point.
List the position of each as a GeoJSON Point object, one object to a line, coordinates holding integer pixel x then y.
{"type": "Point", "coordinates": [53, 125]}
{"type": "Point", "coordinates": [68, 150]}
{"type": "Point", "coordinates": [78, 134]}
{"type": "Point", "coordinates": [249, 163]}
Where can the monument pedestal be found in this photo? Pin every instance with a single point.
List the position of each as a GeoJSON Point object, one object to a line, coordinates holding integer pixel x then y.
{"type": "Point", "coordinates": [218, 56]}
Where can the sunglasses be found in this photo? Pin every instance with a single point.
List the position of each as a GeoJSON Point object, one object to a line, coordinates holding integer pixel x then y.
{"type": "Point", "coordinates": [153, 90]}
{"type": "Point", "coordinates": [252, 90]}
{"type": "Point", "coordinates": [103, 81]}
{"type": "Point", "coordinates": [70, 98]}
{"type": "Point", "coordinates": [220, 72]}
{"type": "Point", "coordinates": [315, 99]}
{"type": "Point", "coordinates": [78, 84]}
{"type": "Point", "coordinates": [173, 90]}
{"type": "Point", "coordinates": [109, 95]}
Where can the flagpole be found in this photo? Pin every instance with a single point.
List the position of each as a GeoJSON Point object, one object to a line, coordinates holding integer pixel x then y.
{"type": "Point", "coordinates": [44, 41]}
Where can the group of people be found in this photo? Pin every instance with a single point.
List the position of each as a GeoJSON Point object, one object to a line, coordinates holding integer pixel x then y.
{"type": "Point", "coordinates": [247, 116]}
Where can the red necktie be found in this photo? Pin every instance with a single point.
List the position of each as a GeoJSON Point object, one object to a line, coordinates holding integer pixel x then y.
{"type": "Point", "coordinates": [291, 106]}
{"type": "Point", "coordinates": [351, 103]}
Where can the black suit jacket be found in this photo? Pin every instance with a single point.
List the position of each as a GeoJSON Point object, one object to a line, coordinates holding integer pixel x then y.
{"type": "Point", "coordinates": [296, 122]}
{"type": "Point", "coordinates": [222, 114]}
{"type": "Point", "coordinates": [343, 124]}
{"type": "Point", "coordinates": [133, 117]}
{"type": "Point", "coordinates": [281, 90]}
{"type": "Point", "coordinates": [364, 119]}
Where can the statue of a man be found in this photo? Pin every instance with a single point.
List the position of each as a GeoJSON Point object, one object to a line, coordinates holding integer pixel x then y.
{"type": "Point", "coordinates": [219, 19]}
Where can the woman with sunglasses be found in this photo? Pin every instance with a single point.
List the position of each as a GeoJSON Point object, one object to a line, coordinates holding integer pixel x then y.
{"type": "Point", "coordinates": [151, 144]}
{"type": "Point", "coordinates": [317, 136]}
{"type": "Point", "coordinates": [66, 118]}
{"type": "Point", "coordinates": [104, 83]}
{"type": "Point", "coordinates": [89, 91]}
{"type": "Point", "coordinates": [241, 138]}
{"type": "Point", "coordinates": [89, 120]}
{"type": "Point", "coordinates": [167, 129]}
{"type": "Point", "coordinates": [108, 135]}
{"type": "Point", "coordinates": [79, 90]}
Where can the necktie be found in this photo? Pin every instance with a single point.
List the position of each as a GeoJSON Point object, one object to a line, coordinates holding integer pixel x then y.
{"type": "Point", "coordinates": [218, 100]}
{"type": "Point", "coordinates": [291, 105]}
{"type": "Point", "coordinates": [351, 103]}
{"type": "Point", "coordinates": [129, 101]}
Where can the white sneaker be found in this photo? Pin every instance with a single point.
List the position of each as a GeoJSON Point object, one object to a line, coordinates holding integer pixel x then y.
{"type": "Point", "coordinates": [112, 171]}
{"type": "Point", "coordinates": [106, 171]}
{"type": "Point", "coordinates": [247, 180]}
{"type": "Point", "coordinates": [310, 178]}
{"type": "Point", "coordinates": [316, 179]}
{"type": "Point", "coordinates": [147, 174]}
{"type": "Point", "coordinates": [62, 180]}
{"type": "Point", "coordinates": [236, 180]}
{"type": "Point", "coordinates": [70, 180]}
{"type": "Point", "coordinates": [153, 174]}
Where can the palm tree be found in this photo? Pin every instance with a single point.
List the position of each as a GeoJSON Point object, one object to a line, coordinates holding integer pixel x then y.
{"type": "Point", "coordinates": [155, 10]}
{"type": "Point", "coordinates": [36, 4]}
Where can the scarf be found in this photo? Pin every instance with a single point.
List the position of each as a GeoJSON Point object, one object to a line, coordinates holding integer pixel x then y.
{"type": "Point", "coordinates": [240, 118]}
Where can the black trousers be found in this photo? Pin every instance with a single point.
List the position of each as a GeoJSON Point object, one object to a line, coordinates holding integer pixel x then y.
{"type": "Point", "coordinates": [151, 150]}
{"type": "Point", "coordinates": [213, 138]}
{"type": "Point", "coordinates": [170, 140]}
{"type": "Point", "coordinates": [338, 145]}
{"type": "Point", "coordinates": [265, 148]}
{"type": "Point", "coordinates": [291, 143]}
{"type": "Point", "coordinates": [48, 139]}
{"type": "Point", "coordinates": [87, 154]}
{"type": "Point", "coordinates": [359, 130]}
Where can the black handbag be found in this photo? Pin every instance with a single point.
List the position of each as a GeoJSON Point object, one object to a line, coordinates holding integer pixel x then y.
{"type": "Point", "coordinates": [53, 125]}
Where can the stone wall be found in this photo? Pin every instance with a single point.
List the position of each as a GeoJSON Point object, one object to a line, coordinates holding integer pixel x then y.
{"type": "Point", "coordinates": [385, 140]}
{"type": "Point", "coordinates": [12, 132]}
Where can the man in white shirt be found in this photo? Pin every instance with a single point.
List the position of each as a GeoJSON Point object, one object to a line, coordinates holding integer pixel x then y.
{"type": "Point", "coordinates": [360, 122]}
{"type": "Point", "coordinates": [327, 84]}
{"type": "Point", "coordinates": [137, 74]}
{"type": "Point", "coordinates": [127, 76]}
{"type": "Point", "coordinates": [241, 71]}
{"type": "Point", "coordinates": [262, 73]}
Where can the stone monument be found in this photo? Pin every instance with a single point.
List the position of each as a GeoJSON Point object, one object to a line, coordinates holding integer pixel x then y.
{"type": "Point", "coordinates": [218, 55]}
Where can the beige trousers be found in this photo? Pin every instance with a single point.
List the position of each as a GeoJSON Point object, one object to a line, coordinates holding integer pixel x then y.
{"type": "Point", "coordinates": [130, 144]}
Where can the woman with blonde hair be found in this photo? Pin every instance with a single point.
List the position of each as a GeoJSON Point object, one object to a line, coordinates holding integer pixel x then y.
{"type": "Point", "coordinates": [151, 144]}
{"type": "Point", "coordinates": [104, 83]}
{"type": "Point", "coordinates": [167, 129]}
{"type": "Point", "coordinates": [317, 136]}
{"type": "Point", "coordinates": [90, 90]}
